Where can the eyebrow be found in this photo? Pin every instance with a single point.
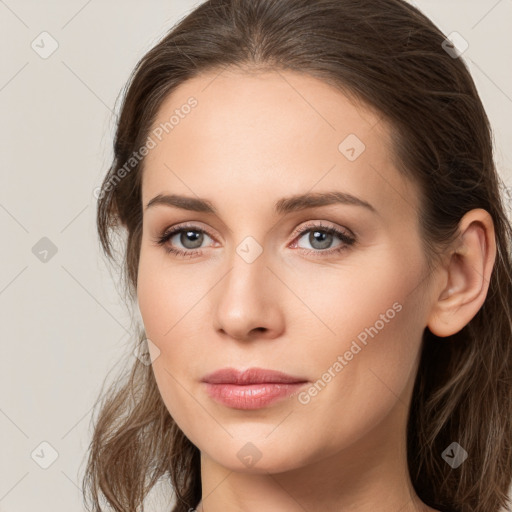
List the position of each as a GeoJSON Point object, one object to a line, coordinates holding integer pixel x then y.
{"type": "Point", "coordinates": [282, 206]}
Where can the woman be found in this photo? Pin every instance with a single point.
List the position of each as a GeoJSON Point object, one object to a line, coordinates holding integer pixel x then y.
{"type": "Point", "coordinates": [318, 248]}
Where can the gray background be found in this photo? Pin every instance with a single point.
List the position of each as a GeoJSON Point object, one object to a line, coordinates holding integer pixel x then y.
{"type": "Point", "coordinates": [65, 326]}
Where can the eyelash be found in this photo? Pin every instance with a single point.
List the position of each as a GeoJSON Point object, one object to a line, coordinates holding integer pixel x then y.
{"type": "Point", "coordinates": [346, 239]}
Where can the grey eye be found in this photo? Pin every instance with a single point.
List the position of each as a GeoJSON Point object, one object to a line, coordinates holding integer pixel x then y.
{"type": "Point", "coordinates": [189, 238]}
{"type": "Point", "coordinates": [318, 239]}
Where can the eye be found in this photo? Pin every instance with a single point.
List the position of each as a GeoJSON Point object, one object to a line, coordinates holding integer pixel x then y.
{"type": "Point", "coordinates": [190, 237]}
{"type": "Point", "coordinates": [321, 237]}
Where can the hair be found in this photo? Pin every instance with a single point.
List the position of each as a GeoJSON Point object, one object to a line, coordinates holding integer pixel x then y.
{"type": "Point", "coordinates": [388, 56]}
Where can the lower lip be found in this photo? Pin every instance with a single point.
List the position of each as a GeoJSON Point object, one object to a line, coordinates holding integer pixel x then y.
{"type": "Point", "coordinates": [252, 396]}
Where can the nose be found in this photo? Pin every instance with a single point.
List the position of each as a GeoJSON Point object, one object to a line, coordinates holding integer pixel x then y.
{"type": "Point", "coordinates": [247, 304]}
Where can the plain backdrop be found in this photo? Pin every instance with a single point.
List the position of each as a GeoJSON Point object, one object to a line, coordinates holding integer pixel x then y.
{"type": "Point", "coordinates": [64, 325]}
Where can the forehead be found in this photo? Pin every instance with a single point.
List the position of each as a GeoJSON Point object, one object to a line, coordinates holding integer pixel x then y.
{"type": "Point", "coordinates": [277, 133]}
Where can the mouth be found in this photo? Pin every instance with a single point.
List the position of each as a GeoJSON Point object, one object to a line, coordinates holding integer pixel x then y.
{"type": "Point", "coordinates": [254, 388]}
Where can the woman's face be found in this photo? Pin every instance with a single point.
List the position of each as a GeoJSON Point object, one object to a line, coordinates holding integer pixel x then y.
{"type": "Point", "coordinates": [279, 158]}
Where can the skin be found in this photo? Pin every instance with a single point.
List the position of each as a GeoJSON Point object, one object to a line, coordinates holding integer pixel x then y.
{"type": "Point", "coordinates": [252, 140]}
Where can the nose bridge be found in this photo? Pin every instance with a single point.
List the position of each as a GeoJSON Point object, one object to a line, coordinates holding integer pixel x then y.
{"type": "Point", "coordinates": [245, 300]}
{"type": "Point", "coordinates": [249, 274]}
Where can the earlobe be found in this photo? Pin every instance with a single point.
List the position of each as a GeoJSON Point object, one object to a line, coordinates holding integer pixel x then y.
{"type": "Point", "coordinates": [465, 280]}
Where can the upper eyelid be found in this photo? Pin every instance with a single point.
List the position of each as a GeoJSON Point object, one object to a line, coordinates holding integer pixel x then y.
{"type": "Point", "coordinates": [182, 227]}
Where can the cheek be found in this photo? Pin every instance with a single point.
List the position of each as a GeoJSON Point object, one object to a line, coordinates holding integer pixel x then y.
{"type": "Point", "coordinates": [364, 294]}
{"type": "Point", "coordinates": [367, 369]}
{"type": "Point", "coordinates": [166, 299]}
{"type": "Point", "coordinates": [371, 316]}
{"type": "Point", "coordinates": [165, 294]}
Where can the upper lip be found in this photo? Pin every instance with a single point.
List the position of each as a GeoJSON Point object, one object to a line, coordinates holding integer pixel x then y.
{"type": "Point", "coordinates": [250, 376]}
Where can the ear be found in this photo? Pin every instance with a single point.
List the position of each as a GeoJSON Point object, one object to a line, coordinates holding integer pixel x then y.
{"type": "Point", "coordinates": [464, 280]}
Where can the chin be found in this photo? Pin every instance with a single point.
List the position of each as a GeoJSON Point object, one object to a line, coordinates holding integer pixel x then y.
{"type": "Point", "coordinates": [258, 455]}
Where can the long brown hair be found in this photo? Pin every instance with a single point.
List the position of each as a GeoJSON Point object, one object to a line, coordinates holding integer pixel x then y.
{"type": "Point", "coordinates": [391, 57]}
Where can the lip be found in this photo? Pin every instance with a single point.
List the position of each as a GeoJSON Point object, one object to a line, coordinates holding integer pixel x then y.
{"type": "Point", "coordinates": [250, 376]}
{"type": "Point", "coordinates": [253, 388]}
